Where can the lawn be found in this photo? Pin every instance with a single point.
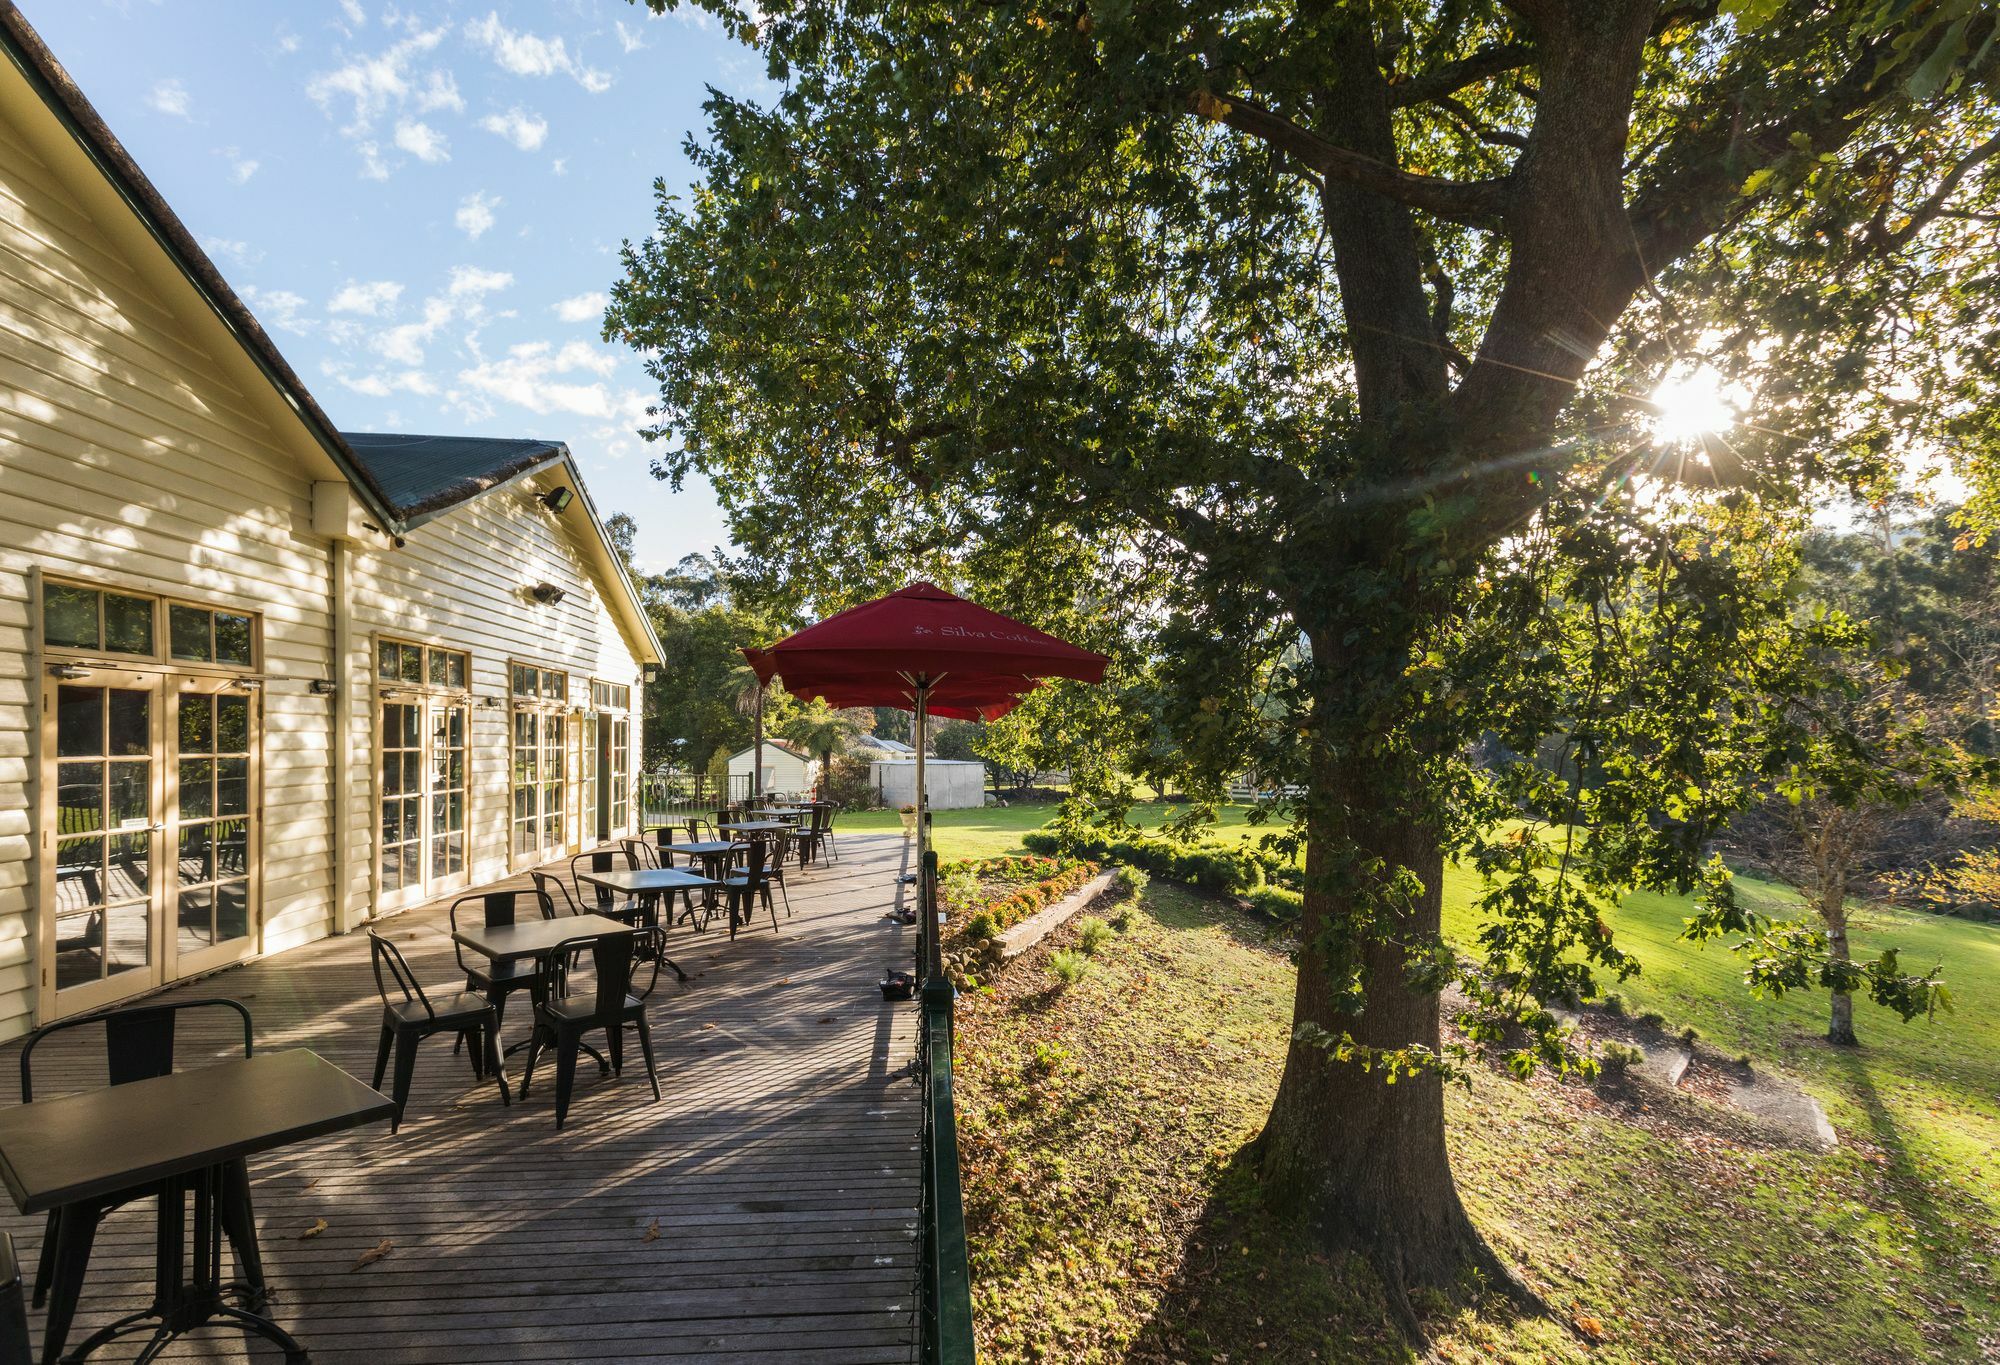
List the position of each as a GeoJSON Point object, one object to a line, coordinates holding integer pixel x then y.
{"type": "Point", "coordinates": [1668, 1233]}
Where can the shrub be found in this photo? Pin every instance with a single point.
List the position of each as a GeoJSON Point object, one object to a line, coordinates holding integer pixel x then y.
{"type": "Point", "coordinates": [1045, 1057]}
{"type": "Point", "coordinates": [1092, 933]}
{"type": "Point", "coordinates": [1277, 904]}
{"type": "Point", "coordinates": [1132, 881]}
{"type": "Point", "coordinates": [980, 927]}
{"type": "Point", "coordinates": [1613, 1004]}
{"type": "Point", "coordinates": [1228, 871]}
{"type": "Point", "coordinates": [961, 887]}
{"type": "Point", "coordinates": [850, 784]}
{"type": "Point", "coordinates": [1615, 1058]}
{"type": "Point", "coordinates": [1069, 966]}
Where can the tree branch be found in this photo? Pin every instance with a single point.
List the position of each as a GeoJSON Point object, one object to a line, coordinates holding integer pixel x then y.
{"type": "Point", "coordinates": [1452, 77]}
{"type": "Point", "coordinates": [1475, 203]}
{"type": "Point", "coordinates": [1933, 207]}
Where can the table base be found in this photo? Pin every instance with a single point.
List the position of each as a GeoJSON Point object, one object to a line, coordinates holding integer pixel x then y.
{"type": "Point", "coordinates": [182, 1304]}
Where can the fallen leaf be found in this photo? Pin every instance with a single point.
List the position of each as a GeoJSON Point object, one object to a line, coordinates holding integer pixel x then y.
{"type": "Point", "coordinates": [319, 1226]}
{"type": "Point", "coordinates": [373, 1254]}
{"type": "Point", "coordinates": [1589, 1326]}
{"type": "Point", "coordinates": [652, 1231]}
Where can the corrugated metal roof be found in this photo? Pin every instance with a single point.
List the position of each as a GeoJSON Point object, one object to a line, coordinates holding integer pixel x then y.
{"type": "Point", "coordinates": [424, 475]}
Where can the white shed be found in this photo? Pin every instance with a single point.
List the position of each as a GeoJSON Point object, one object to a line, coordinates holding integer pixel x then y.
{"type": "Point", "coordinates": [785, 770]}
{"type": "Point", "coordinates": [950, 783]}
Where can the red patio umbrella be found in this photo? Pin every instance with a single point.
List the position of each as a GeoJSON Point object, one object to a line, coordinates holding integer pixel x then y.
{"type": "Point", "coordinates": [927, 651]}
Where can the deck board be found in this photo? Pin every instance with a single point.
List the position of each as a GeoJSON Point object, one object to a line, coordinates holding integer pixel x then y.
{"type": "Point", "coordinates": [781, 1166]}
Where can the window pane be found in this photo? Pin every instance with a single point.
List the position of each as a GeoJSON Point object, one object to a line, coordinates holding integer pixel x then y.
{"type": "Point", "coordinates": [392, 773]}
{"type": "Point", "coordinates": [232, 847]}
{"type": "Point", "coordinates": [454, 670]}
{"type": "Point", "coordinates": [232, 639]}
{"type": "Point", "coordinates": [79, 797]}
{"type": "Point", "coordinates": [409, 721]}
{"type": "Point", "coordinates": [436, 670]}
{"type": "Point", "coordinates": [188, 631]}
{"type": "Point", "coordinates": [69, 616]}
{"type": "Point", "coordinates": [197, 855]}
{"type": "Point", "coordinates": [126, 934]}
{"type": "Point", "coordinates": [197, 925]}
{"type": "Point", "coordinates": [232, 724]}
{"type": "Point", "coordinates": [413, 777]}
{"type": "Point", "coordinates": [386, 666]}
{"type": "Point", "coordinates": [131, 722]}
{"type": "Point", "coordinates": [555, 687]}
{"type": "Point", "coordinates": [130, 795]}
{"type": "Point", "coordinates": [128, 624]}
{"type": "Point", "coordinates": [232, 911]}
{"type": "Point", "coordinates": [79, 721]}
{"type": "Point", "coordinates": [79, 874]}
{"type": "Point", "coordinates": [197, 723]}
{"type": "Point", "coordinates": [392, 867]}
{"type": "Point", "coordinates": [197, 788]}
{"type": "Point", "coordinates": [131, 871]}
{"type": "Point", "coordinates": [232, 787]}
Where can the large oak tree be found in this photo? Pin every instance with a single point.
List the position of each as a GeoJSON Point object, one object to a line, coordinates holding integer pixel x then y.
{"type": "Point", "coordinates": [1301, 348]}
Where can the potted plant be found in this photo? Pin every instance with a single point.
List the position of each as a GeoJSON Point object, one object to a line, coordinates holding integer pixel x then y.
{"type": "Point", "coordinates": [909, 814]}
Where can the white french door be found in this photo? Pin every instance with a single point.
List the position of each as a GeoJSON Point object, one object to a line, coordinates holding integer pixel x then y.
{"type": "Point", "coordinates": [151, 792]}
{"type": "Point", "coordinates": [421, 797]}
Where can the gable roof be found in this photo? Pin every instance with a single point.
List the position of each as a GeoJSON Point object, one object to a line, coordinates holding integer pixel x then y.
{"type": "Point", "coordinates": [60, 93]}
{"type": "Point", "coordinates": [776, 744]}
{"type": "Point", "coordinates": [400, 488]}
{"type": "Point", "coordinates": [423, 476]}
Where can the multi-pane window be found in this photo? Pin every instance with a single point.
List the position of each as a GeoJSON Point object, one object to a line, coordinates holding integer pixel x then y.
{"type": "Point", "coordinates": [213, 819]}
{"type": "Point", "coordinates": [447, 831]}
{"type": "Point", "coordinates": [540, 755]}
{"type": "Point", "coordinates": [606, 696]}
{"type": "Point", "coordinates": [104, 810]}
{"type": "Point", "coordinates": [422, 665]}
{"type": "Point", "coordinates": [103, 621]}
{"type": "Point", "coordinates": [621, 779]}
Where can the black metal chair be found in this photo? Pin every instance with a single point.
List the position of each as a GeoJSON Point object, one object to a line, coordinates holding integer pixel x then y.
{"type": "Point", "coordinates": [742, 890]}
{"type": "Point", "coordinates": [600, 900]}
{"type": "Point", "coordinates": [640, 853]}
{"type": "Point", "coordinates": [548, 887]}
{"type": "Point", "coordinates": [16, 1346]}
{"type": "Point", "coordinates": [138, 1045]}
{"type": "Point", "coordinates": [826, 832]}
{"type": "Point", "coordinates": [494, 980]}
{"type": "Point", "coordinates": [562, 1017]}
{"type": "Point", "coordinates": [408, 1020]}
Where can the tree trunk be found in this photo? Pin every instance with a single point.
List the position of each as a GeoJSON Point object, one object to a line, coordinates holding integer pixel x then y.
{"type": "Point", "coordinates": [1366, 1160]}
{"type": "Point", "coordinates": [1840, 1028]}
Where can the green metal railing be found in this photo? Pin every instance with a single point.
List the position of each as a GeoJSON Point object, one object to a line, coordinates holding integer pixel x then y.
{"type": "Point", "coordinates": [944, 1300]}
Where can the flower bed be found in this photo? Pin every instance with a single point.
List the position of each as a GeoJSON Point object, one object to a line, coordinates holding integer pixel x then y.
{"type": "Point", "coordinates": [986, 897]}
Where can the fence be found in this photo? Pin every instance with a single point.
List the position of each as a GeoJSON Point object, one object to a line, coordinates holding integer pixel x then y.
{"type": "Point", "coordinates": [944, 1298]}
{"type": "Point", "coordinates": [668, 794]}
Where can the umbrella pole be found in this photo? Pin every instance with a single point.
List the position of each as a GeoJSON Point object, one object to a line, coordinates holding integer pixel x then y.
{"type": "Point", "coordinates": [933, 964]}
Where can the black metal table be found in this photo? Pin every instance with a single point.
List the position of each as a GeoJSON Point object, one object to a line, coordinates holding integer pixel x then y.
{"type": "Point", "coordinates": [537, 938]}
{"type": "Point", "coordinates": [178, 1132]}
{"type": "Point", "coordinates": [653, 881]}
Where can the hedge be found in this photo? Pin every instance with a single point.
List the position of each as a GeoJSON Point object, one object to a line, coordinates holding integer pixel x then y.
{"type": "Point", "coordinates": [1269, 883]}
{"type": "Point", "coordinates": [1003, 912]}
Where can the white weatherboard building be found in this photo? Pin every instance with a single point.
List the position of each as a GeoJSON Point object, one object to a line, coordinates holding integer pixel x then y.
{"type": "Point", "coordinates": [258, 677]}
{"type": "Point", "coordinates": [949, 783]}
{"type": "Point", "coordinates": [785, 770]}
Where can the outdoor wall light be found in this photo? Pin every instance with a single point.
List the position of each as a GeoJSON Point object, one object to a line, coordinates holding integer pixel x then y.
{"type": "Point", "coordinates": [556, 499]}
{"type": "Point", "coordinates": [323, 687]}
{"type": "Point", "coordinates": [548, 594]}
{"type": "Point", "coordinates": [69, 672]}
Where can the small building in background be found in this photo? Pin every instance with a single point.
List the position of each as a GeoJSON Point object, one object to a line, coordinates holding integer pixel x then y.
{"type": "Point", "coordinates": [950, 783]}
{"type": "Point", "coordinates": [786, 770]}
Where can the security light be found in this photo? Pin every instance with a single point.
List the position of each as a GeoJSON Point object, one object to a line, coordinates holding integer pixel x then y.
{"type": "Point", "coordinates": [547, 594]}
{"type": "Point", "coordinates": [558, 498]}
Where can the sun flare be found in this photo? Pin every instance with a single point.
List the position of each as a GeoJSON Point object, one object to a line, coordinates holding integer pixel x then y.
{"type": "Point", "coordinates": [1690, 407]}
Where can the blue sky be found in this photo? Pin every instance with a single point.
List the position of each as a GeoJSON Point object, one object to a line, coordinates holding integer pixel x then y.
{"type": "Point", "coordinates": [423, 203]}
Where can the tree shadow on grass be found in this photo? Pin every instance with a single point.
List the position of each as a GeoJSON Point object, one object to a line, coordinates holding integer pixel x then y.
{"type": "Point", "coordinates": [1906, 1183]}
{"type": "Point", "coordinates": [1254, 1283]}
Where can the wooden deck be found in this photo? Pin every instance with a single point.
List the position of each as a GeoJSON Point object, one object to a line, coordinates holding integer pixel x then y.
{"type": "Point", "coordinates": [780, 1171]}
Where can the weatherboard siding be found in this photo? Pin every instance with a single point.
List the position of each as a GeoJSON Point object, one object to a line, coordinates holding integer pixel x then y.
{"type": "Point", "coordinates": [460, 581]}
{"type": "Point", "coordinates": [129, 458]}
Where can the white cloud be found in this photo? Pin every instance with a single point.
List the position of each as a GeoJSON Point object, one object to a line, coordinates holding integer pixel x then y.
{"type": "Point", "coordinates": [373, 167]}
{"type": "Point", "coordinates": [630, 39]}
{"type": "Point", "coordinates": [525, 130]}
{"type": "Point", "coordinates": [278, 308]}
{"type": "Point", "coordinates": [404, 344]}
{"type": "Point", "coordinates": [560, 165]}
{"type": "Point", "coordinates": [372, 298]}
{"type": "Point", "coordinates": [535, 375]}
{"type": "Point", "coordinates": [582, 308]}
{"type": "Point", "coordinates": [356, 15]}
{"type": "Point", "coordinates": [475, 213]}
{"type": "Point", "coordinates": [471, 280]}
{"type": "Point", "coordinates": [241, 167]}
{"type": "Point", "coordinates": [170, 98]}
{"type": "Point", "coordinates": [382, 383]}
{"type": "Point", "coordinates": [422, 141]}
{"type": "Point", "coordinates": [242, 253]}
{"type": "Point", "coordinates": [440, 92]}
{"type": "Point", "coordinates": [288, 42]}
{"type": "Point", "coordinates": [371, 86]}
{"type": "Point", "coordinates": [527, 54]}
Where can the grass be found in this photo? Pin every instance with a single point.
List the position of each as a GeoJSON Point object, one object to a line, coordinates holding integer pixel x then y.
{"type": "Point", "coordinates": [1116, 1215]}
